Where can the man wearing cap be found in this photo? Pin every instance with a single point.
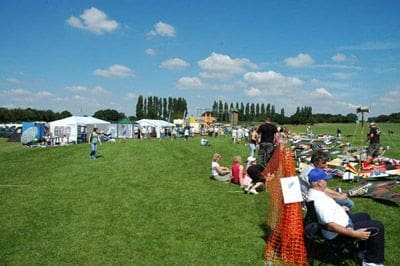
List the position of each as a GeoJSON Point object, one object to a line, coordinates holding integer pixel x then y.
{"type": "Point", "coordinates": [374, 141]}
{"type": "Point", "coordinates": [339, 225]}
{"type": "Point", "coordinates": [319, 159]}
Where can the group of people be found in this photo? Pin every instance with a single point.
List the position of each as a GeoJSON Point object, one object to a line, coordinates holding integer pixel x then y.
{"type": "Point", "coordinates": [333, 207]}
{"type": "Point", "coordinates": [250, 178]}
{"type": "Point", "coordinates": [334, 212]}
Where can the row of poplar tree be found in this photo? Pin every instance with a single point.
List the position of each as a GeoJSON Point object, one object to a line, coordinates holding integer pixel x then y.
{"type": "Point", "coordinates": [257, 112]}
{"type": "Point", "coordinates": [154, 107]}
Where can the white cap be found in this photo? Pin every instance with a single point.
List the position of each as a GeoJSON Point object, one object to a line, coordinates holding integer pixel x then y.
{"type": "Point", "coordinates": [251, 159]}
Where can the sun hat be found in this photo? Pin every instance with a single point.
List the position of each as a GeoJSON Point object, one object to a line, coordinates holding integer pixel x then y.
{"type": "Point", "coordinates": [317, 174]}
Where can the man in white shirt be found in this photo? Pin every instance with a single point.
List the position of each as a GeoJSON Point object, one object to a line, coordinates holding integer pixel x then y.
{"type": "Point", "coordinates": [338, 224]}
{"type": "Point", "coordinates": [318, 160]}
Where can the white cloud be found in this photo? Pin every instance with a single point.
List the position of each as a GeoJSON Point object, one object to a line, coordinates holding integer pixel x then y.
{"type": "Point", "coordinates": [163, 29]}
{"type": "Point", "coordinates": [222, 87]}
{"type": "Point", "coordinates": [301, 60]}
{"type": "Point", "coordinates": [115, 71]}
{"type": "Point", "coordinates": [18, 91]}
{"type": "Point", "coordinates": [342, 58]}
{"type": "Point", "coordinates": [80, 98]}
{"type": "Point", "coordinates": [13, 80]}
{"type": "Point", "coordinates": [97, 90]}
{"type": "Point", "coordinates": [341, 75]}
{"type": "Point", "coordinates": [322, 92]}
{"type": "Point", "coordinates": [174, 64]}
{"type": "Point", "coordinates": [222, 66]}
{"type": "Point", "coordinates": [370, 46]}
{"type": "Point", "coordinates": [339, 57]}
{"type": "Point", "coordinates": [45, 94]}
{"type": "Point", "coordinates": [131, 95]}
{"type": "Point", "coordinates": [93, 20]}
{"type": "Point", "coordinates": [329, 84]}
{"type": "Point", "coordinates": [271, 83]}
{"type": "Point", "coordinates": [150, 52]}
{"type": "Point", "coordinates": [390, 98]}
{"type": "Point", "coordinates": [77, 89]}
{"type": "Point", "coordinates": [189, 83]}
{"type": "Point", "coordinates": [253, 92]}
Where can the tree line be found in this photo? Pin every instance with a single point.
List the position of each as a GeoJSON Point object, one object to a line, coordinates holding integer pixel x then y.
{"type": "Point", "coordinates": [18, 115]}
{"type": "Point", "coordinates": [257, 112]}
{"type": "Point", "coordinates": [392, 118]}
{"type": "Point", "coordinates": [154, 107]}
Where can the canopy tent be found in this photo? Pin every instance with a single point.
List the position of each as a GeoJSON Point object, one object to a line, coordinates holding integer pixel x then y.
{"type": "Point", "coordinates": [124, 128]}
{"type": "Point", "coordinates": [75, 128]}
{"type": "Point", "coordinates": [158, 125]}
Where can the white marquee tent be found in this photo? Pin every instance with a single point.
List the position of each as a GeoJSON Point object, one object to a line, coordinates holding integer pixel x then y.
{"type": "Point", "coordinates": [75, 127]}
{"type": "Point", "coordinates": [156, 124]}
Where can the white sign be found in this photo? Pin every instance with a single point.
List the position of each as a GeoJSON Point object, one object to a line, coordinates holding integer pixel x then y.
{"type": "Point", "coordinates": [291, 189]}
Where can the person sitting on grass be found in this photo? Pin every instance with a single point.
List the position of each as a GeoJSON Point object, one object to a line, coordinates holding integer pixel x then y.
{"type": "Point", "coordinates": [254, 171]}
{"type": "Point", "coordinates": [237, 169]}
{"type": "Point", "coordinates": [218, 172]}
{"type": "Point", "coordinates": [339, 225]}
{"type": "Point", "coordinates": [204, 142]}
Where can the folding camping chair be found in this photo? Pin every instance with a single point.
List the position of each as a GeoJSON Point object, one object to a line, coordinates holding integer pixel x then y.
{"type": "Point", "coordinates": [335, 251]}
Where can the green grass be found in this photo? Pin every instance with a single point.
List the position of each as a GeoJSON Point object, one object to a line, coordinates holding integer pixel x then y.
{"type": "Point", "coordinates": [141, 202]}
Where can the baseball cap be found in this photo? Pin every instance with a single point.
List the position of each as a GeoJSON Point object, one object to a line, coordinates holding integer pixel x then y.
{"type": "Point", "coordinates": [317, 174]}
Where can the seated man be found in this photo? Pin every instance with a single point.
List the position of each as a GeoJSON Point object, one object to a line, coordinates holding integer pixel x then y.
{"type": "Point", "coordinates": [319, 159]}
{"type": "Point", "coordinates": [339, 224]}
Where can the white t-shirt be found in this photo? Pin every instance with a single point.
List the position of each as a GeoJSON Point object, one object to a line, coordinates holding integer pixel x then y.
{"type": "Point", "coordinates": [214, 166]}
{"type": "Point", "coordinates": [328, 211]}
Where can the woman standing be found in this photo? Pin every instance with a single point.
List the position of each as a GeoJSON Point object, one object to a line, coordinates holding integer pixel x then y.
{"type": "Point", "coordinates": [253, 139]}
{"type": "Point", "coordinates": [94, 138]}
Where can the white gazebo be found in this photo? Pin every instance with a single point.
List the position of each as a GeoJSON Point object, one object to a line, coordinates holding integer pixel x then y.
{"type": "Point", "coordinates": [156, 124]}
{"type": "Point", "coordinates": [75, 128]}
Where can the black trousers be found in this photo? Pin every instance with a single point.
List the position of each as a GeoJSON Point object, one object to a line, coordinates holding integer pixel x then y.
{"type": "Point", "coordinates": [374, 246]}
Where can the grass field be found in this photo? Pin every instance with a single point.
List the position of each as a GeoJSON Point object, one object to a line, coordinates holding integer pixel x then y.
{"type": "Point", "coordinates": [143, 202]}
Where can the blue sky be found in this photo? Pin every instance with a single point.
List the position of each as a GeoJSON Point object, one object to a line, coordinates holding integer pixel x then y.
{"type": "Point", "coordinates": [84, 56]}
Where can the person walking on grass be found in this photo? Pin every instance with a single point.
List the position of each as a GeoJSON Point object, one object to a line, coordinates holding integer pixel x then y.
{"type": "Point", "coordinates": [94, 139]}
{"type": "Point", "coordinates": [253, 139]}
{"type": "Point", "coordinates": [268, 133]}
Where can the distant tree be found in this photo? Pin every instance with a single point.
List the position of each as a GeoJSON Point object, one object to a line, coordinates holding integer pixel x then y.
{"type": "Point", "coordinates": [145, 111]}
{"type": "Point", "coordinates": [262, 111]}
{"type": "Point", "coordinates": [109, 115]}
{"type": "Point", "coordinates": [220, 111]}
{"type": "Point", "coordinates": [140, 108]}
{"type": "Point", "coordinates": [241, 112]}
{"type": "Point", "coordinates": [165, 109]}
{"type": "Point", "coordinates": [247, 112]}
{"type": "Point", "coordinates": [226, 112]}
{"type": "Point", "coordinates": [252, 112]}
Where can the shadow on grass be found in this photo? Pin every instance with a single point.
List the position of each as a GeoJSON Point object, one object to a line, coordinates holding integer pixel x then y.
{"type": "Point", "coordinates": [266, 231]}
{"type": "Point", "coordinates": [388, 202]}
{"type": "Point", "coordinates": [322, 254]}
